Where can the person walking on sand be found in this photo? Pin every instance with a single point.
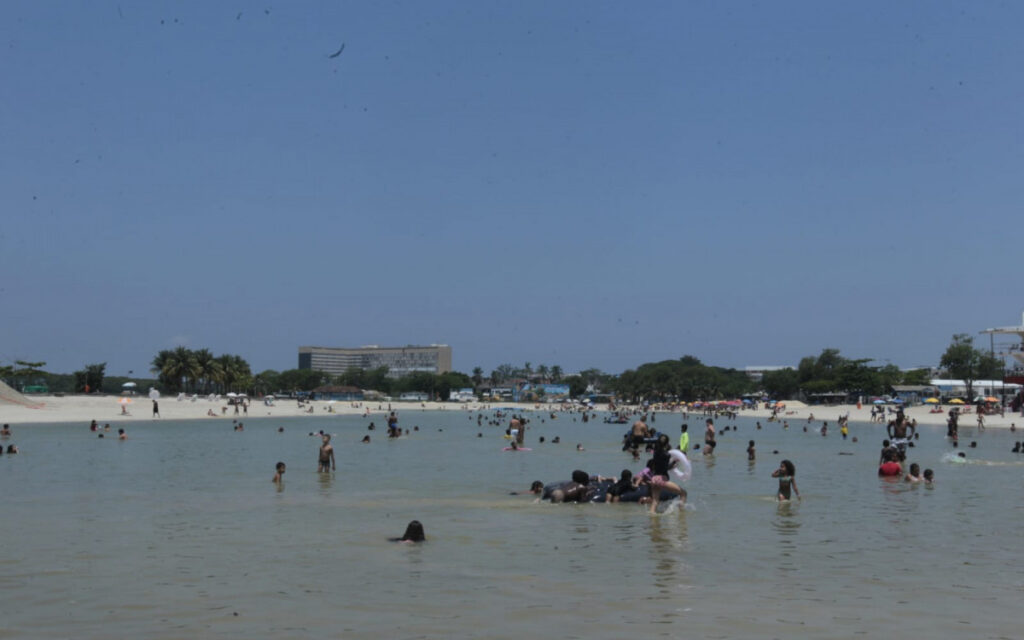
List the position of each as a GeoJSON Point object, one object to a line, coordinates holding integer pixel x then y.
{"type": "Point", "coordinates": [326, 460]}
{"type": "Point", "coordinates": [156, 409]}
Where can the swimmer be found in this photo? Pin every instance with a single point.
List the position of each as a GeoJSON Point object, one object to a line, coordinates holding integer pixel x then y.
{"type": "Point", "coordinates": [786, 473]}
{"type": "Point", "coordinates": [914, 475]}
{"type": "Point", "coordinates": [929, 476]}
{"type": "Point", "coordinates": [536, 488]}
{"type": "Point", "coordinates": [751, 455]}
{"type": "Point", "coordinates": [326, 459]}
{"type": "Point", "coordinates": [279, 475]}
{"type": "Point", "coordinates": [365, 440]}
{"type": "Point", "coordinates": [579, 447]}
{"type": "Point", "coordinates": [11, 449]}
{"type": "Point", "coordinates": [6, 431]}
{"type": "Point", "coordinates": [684, 438]}
{"type": "Point", "coordinates": [890, 465]}
{"type": "Point", "coordinates": [623, 485]}
{"type": "Point", "coordinates": [121, 435]}
{"type": "Point", "coordinates": [413, 533]}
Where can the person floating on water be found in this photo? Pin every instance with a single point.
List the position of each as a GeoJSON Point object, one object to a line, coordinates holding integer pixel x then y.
{"type": "Point", "coordinates": [786, 473]}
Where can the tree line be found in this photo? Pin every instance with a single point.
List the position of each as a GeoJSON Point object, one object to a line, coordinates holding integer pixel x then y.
{"type": "Point", "coordinates": [686, 379]}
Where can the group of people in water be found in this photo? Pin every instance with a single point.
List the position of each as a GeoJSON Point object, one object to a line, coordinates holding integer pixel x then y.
{"type": "Point", "coordinates": [5, 433]}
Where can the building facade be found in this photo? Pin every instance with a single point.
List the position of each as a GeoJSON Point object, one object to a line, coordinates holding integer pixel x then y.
{"type": "Point", "coordinates": [400, 361]}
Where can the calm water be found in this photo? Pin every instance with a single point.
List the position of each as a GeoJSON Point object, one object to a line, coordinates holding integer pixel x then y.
{"type": "Point", "coordinates": [172, 533]}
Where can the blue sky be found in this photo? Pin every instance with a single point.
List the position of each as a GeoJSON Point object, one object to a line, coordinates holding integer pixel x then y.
{"type": "Point", "coordinates": [585, 184]}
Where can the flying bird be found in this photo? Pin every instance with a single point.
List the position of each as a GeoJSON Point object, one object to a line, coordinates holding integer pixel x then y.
{"type": "Point", "coordinates": [338, 52]}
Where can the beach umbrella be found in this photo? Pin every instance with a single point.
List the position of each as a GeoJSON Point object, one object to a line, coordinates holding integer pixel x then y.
{"type": "Point", "coordinates": [153, 393]}
{"type": "Point", "coordinates": [129, 385]}
{"type": "Point", "coordinates": [956, 401]}
{"type": "Point", "coordinates": [232, 394]}
{"type": "Point", "coordinates": [878, 401]}
{"type": "Point", "coordinates": [932, 400]}
{"type": "Point", "coordinates": [991, 399]}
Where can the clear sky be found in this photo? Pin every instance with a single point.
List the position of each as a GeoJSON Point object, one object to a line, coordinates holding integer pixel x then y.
{"type": "Point", "coordinates": [585, 184]}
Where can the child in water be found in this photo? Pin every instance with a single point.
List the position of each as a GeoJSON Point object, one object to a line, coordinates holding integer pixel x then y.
{"type": "Point", "coordinates": [786, 473]}
{"type": "Point", "coordinates": [929, 476]}
{"type": "Point", "coordinates": [280, 473]}
{"type": "Point", "coordinates": [914, 475]}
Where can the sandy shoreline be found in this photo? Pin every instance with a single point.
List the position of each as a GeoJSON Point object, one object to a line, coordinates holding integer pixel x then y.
{"type": "Point", "coordinates": [108, 409]}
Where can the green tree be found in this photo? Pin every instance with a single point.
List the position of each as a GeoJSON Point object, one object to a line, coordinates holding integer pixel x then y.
{"type": "Point", "coordinates": [478, 377]}
{"type": "Point", "coordinates": [556, 374]}
{"type": "Point", "coordinates": [962, 361]}
{"type": "Point", "coordinates": [782, 384]}
{"type": "Point", "coordinates": [265, 382]}
{"type": "Point", "coordinates": [543, 372]}
{"type": "Point", "coordinates": [577, 385]}
{"type": "Point", "coordinates": [175, 368]}
{"type": "Point", "coordinates": [209, 371]}
{"type": "Point", "coordinates": [90, 378]}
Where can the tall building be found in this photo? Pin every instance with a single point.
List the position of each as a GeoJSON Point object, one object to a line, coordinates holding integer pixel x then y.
{"type": "Point", "coordinates": [400, 361]}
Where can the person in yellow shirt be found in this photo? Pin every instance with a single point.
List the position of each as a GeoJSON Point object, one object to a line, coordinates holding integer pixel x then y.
{"type": "Point", "coordinates": [684, 439]}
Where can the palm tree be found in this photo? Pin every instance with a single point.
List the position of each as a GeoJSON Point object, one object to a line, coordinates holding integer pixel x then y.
{"type": "Point", "coordinates": [542, 371]}
{"type": "Point", "coordinates": [208, 369]}
{"type": "Point", "coordinates": [188, 368]}
{"type": "Point", "coordinates": [159, 365]}
{"type": "Point", "coordinates": [556, 374]}
{"type": "Point", "coordinates": [478, 376]}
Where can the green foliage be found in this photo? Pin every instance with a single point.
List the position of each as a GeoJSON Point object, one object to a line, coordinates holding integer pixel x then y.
{"type": "Point", "coordinates": [182, 369]}
{"type": "Point", "coordinates": [962, 361]}
{"type": "Point", "coordinates": [294, 380]}
{"type": "Point", "coordinates": [90, 378]}
{"type": "Point", "coordinates": [577, 385]}
{"type": "Point", "coordinates": [782, 384]}
{"type": "Point", "coordinates": [684, 379]}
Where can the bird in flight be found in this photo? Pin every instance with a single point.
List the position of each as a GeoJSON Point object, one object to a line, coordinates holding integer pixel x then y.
{"type": "Point", "coordinates": [338, 52]}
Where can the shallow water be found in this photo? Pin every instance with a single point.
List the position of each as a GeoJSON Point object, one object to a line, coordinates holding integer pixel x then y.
{"type": "Point", "coordinates": [173, 532]}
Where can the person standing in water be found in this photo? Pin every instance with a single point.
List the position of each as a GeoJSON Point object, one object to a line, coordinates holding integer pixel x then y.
{"type": "Point", "coordinates": [279, 476]}
{"type": "Point", "coordinates": [684, 438]}
{"type": "Point", "coordinates": [786, 473]}
{"type": "Point", "coordinates": [327, 462]}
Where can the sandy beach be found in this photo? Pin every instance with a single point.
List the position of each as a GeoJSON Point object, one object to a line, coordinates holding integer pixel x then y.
{"type": "Point", "coordinates": [108, 408]}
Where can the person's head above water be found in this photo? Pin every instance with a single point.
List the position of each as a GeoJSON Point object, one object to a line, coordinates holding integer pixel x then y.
{"type": "Point", "coordinates": [580, 477]}
{"type": "Point", "coordinates": [414, 532]}
{"type": "Point", "coordinates": [788, 467]}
